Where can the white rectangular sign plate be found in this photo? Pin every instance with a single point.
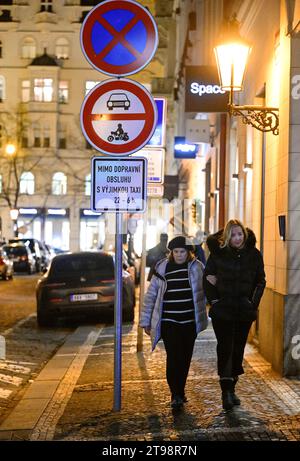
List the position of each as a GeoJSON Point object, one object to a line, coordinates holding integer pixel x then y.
{"type": "Point", "coordinates": [119, 184]}
{"type": "Point", "coordinates": [156, 160]}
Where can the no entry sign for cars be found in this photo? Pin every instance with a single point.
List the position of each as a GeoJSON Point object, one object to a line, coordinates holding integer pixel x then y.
{"type": "Point", "coordinates": [119, 37]}
{"type": "Point", "coordinates": [118, 117]}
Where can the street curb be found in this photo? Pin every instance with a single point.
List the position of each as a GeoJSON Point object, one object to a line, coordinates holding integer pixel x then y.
{"type": "Point", "coordinates": [24, 417]}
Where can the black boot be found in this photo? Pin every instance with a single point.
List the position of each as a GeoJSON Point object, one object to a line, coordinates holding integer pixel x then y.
{"type": "Point", "coordinates": [226, 385]}
{"type": "Point", "coordinates": [234, 397]}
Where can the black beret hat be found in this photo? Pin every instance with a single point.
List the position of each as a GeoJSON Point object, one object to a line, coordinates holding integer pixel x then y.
{"type": "Point", "coordinates": [180, 242]}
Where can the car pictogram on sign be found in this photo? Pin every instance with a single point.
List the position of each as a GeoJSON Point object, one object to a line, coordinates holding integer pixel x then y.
{"type": "Point", "coordinates": [118, 100]}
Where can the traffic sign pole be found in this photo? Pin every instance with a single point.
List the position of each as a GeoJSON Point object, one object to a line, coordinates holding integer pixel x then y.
{"type": "Point", "coordinates": [118, 117]}
{"type": "Point", "coordinates": [118, 313]}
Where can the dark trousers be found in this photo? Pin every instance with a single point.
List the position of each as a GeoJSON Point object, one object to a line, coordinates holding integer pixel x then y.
{"type": "Point", "coordinates": [179, 343]}
{"type": "Point", "coordinates": [231, 338]}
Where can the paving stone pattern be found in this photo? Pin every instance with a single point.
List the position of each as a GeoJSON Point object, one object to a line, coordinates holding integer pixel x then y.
{"type": "Point", "coordinates": [270, 407]}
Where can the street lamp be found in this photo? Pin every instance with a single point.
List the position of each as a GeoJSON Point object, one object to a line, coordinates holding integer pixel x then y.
{"type": "Point", "coordinates": [14, 213]}
{"type": "Point", "coordinates": [10, 149]}
{"type": "Point", "coordinates": [232, 54]}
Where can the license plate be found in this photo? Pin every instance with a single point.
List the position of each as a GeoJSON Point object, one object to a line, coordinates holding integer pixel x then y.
{"type": "Point", "coordinates": [84, 297]}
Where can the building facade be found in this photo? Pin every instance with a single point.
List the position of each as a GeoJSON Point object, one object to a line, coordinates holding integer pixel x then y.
{"type": "Point", "coordinates": [251, 175]}
{"type": "Point", "coordinates": [44, 78]}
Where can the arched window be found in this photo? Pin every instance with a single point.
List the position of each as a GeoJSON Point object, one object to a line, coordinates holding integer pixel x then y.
{"type": "Point", "coordinates": [87, 184]}
{"type": "Point", "coordinates": [27, 183]}
{"type": "Point", "coordinates": [28, 48]}
{"type": "Point", "coordinates": [62, 48]}
{"type": "Point", "coordinates": [59, 184]}
{"type": "Point", "coordinates": [2, 88]}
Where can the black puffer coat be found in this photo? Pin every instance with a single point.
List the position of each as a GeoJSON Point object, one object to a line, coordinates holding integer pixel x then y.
{"type": "Point", "coordinates": [240, 279]}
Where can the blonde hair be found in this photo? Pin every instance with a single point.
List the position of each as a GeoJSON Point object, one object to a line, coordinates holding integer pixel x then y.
{"type": "Point", "coordinates": [226, 236]}
{"type": "Point", "coordinates": [189, 257]}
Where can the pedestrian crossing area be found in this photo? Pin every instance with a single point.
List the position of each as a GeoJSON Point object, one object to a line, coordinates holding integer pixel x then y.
{"type": "Point", "coordinates": [12, 375]}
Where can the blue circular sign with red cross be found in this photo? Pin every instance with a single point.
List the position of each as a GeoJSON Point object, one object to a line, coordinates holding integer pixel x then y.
{"type": "Point", "coordinates": [118, 117]}
{"type": "Point", "coordinates": [119, 37]}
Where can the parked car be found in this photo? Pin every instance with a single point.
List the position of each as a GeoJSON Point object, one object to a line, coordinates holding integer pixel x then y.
{"type": "Point", "coordinates": [36, 249]}
{"type": "Point", "coordinates": [46, 256]}
{"type": "Point", "coordinates": [21, 256]}
{"type": "Point", "coordinates": [6, 266]}
{"type": "Point", "coordinates": [81, 284]}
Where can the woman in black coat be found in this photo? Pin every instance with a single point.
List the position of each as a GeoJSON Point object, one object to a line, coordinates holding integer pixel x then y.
{"type": "Point", "coordinates": [234, 281]}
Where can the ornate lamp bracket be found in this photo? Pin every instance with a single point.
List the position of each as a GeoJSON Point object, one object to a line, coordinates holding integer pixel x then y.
{"type": "Point", "coordinates": [262, 118]}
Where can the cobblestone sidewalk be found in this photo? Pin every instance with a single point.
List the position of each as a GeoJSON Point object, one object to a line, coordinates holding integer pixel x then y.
{"type": "Point", "coordinates": [270, 407]}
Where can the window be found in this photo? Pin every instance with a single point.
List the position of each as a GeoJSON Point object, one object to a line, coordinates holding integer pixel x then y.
{"type": "Point", "coordinates": [89, 84]}
{"type": "Point", "coordinates": [46, 135]}
{"type": "Point", "coordinates": [37, 141]}
{"type": "Point", "coordinates": [43, 89]}
{"type": "Point", "coordinates": [2, 88]}
{"type": "Point", "coordinates": [89, 2]}
{"type": "Point", "coordinates": [36, 135]}
{"type": "Point", "coordinates": [62, 137]}
{"type": "Point", "coordinates": [46, 138]}
{"type": "Point", "coordinates": [25, 96]}
{"type": "Point", "coordinates": [28, 48]}
{"type": "Point", "coordinates": [27, 183]}
{"type": "Point", "coordinates": [62, 143]}
{"type": "Point", "coordinates": [46, 5]}
{"type": "Point", "coordinates": [24, 137]}
{"type": "Point", "coordinates": [24, 141]}
{"type": "Point", "coordinates": [59, 184]}
{"type": "Point", "coordinates": [63, 92]}
{"type": "Point", "coordinates": [87, 184]}
{"type": "Point", "coordinates": [62, 48]}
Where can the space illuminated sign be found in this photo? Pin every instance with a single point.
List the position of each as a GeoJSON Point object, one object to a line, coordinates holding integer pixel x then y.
{"type": "Point", "coordinates": [203, 92]}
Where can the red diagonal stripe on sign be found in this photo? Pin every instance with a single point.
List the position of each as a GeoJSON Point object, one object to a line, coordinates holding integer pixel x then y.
{"type": "Point", "coordinates": [103, 117]}
{"type": "Point", "coordinates": [119, 37]}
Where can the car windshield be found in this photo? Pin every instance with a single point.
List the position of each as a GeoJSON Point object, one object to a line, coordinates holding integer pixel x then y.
{"type": "Point", "coordinates": [93, 265]}
{"type": "Point", "coordinates": [16, 251]}
{"type": "Point", "coordinates": [27, 242]}
{"type": "Point", "coordinates": [118, 97]}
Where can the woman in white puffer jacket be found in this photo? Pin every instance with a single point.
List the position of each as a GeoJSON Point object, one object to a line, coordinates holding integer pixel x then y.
{"type": "Point", "coordinates": [175, 310]}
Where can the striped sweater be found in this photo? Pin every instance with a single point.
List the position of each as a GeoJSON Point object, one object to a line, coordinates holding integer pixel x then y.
{"type": "Point", "coordinates": [178, 305]}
